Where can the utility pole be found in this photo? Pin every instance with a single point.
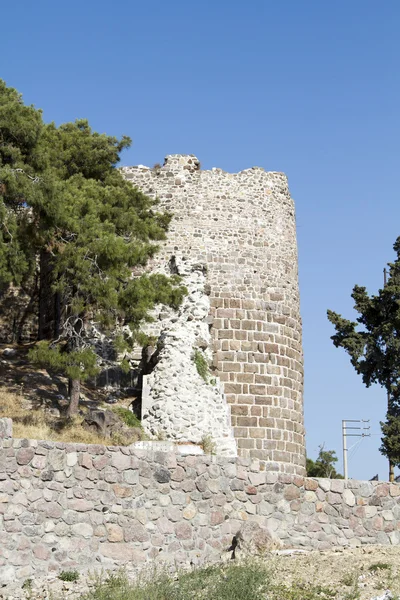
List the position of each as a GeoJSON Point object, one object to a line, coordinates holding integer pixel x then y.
{"type": "Point", "coordinates": [391, 465]}
{"type": "Point", "coordinates": [344, 440]}
{"type": "Point", "coordinates": [345, 435]}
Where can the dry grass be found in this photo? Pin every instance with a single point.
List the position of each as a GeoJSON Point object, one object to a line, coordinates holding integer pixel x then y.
{"type": "Point", "coordinates": [34, 424]}
{"type": "Point", "coordinates": [29, 396]}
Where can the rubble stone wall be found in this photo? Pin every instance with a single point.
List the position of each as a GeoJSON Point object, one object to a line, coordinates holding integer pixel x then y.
{"type": "Point", "coordinates": [178, 403]}
{"type": "Point", "coordinates": [242, 226]}
{"type": "Point", "coordinates": [72, 506]}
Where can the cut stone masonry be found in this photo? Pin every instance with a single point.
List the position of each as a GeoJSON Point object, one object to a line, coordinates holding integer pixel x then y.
{"type": "Point", "coordinates": [242, 227]}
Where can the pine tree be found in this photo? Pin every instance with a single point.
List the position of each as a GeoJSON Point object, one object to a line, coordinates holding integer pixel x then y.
{"type": "Point", "coordinates": [66, 206]}
{"type": "Point", "coordinates": [373, 344]}
{"type": "Point", "coordinates": [100, 232]}
{"type": "Point", "coordinates": [21, 164]}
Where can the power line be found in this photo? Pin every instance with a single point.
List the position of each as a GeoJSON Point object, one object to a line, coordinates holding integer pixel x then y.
{"type": "Point", "coordinates": [355, 447]}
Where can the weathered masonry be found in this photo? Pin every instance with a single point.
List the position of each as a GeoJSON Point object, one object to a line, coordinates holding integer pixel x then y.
{"type": "Point", "coordinates": [68, 506]}
{"type": "Point", "coordinates": [242, 226]}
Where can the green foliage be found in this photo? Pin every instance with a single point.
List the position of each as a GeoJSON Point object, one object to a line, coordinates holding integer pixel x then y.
{"type": "Point", "coordinates": [69, 576]}
{"type": "Point", "coordinates": [324, 465]}
{"type": "Point", "coordinates": [379, 566]}
{"type": "Point", "coordinates": [76, 364]}
{"type": "Point", "coordinates": [208, 445]}
{"type": "Point", "coordinates": [127, 416]}
{"type": "Point", "coordinates": [390, 446]}
{"type": "Point", "coordinates": [145, 340]}
{"type": "Point", "coordinates": [373, 344]}
{"type": "Point", "coordinates": [63, 203]}
{"type": "Point", "coordinates": [201, 364]}
{"type": "Point", "coordinates": [21, 159]}
{"type": "Point", "coordinates": [27, 585]}
{"type": "Point", "coordinates": [235, 582]}
{"type": "Point", "coordinates": [250, 580]}
{"type": "Point", "coordinates": [125, 365]}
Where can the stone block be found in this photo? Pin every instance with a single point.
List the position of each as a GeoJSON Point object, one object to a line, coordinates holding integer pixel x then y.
{"type": "Point", "coordinates": [121, 552]}
{"type": "Point", "coordinates": [311, 484]}
{"type": "Point", "coordinates": [115, 533]}
{"type": "Point", "coordinates": [25, 455]}
{"type": "Point", "coordinates": [183, 531]}
{"type": "Point", "coordinates": [349, 498]}
{"type": "Point", "coordinates": [337, 486]}
{"type": "Point", "coordinates": [6, 430]}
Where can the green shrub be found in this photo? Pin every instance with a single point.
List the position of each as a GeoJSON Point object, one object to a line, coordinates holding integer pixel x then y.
{"type": "Point", "coordinates": [378, 566]}
{"type": "Point", "coordinates": [208, 444]}
{"type": "Point", "coordinates": [201, 364]}
{"type": "Point", "coordinates": [249, 580]}
{"type": "Point", "coordinates": [27, 585]}
{"type": "Point", "coordinates": [127, 416]}
{"type": "Point", "coordinates": [69, 576]}
{"type": "Point", "coordinates": [234, 582]}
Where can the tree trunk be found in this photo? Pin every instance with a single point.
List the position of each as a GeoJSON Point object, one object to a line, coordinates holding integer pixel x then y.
{"type": "Point", "coordinates": [74, 387]}
{"type": "Point", "coordinates": [57, 314]}
{"type": "Point", "coordinates": [29, 311]}
{"type": "Point", "coordinates": [46, 298]}
{"type": "Point", "coordinates": [391, 471]}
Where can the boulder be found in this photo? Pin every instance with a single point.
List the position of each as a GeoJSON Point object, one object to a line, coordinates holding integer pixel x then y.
{"type": "Point", "coordinates": [9, 352]}
{"type": "Point", "coordinates": [254, 539]}
{"type": "Point", "coordinates": [108, 424]}
{"type": "Point", "coordinates": [103, 422]}
{"type": "Point", "coordinates": [111, 399]}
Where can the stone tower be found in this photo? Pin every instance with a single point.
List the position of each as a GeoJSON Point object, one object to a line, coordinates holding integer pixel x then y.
{"type": "Point", "coordinates": [242, 225]}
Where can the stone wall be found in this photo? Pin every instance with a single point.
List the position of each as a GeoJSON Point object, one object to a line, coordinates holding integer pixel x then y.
{"type": "Point", "coordinates": [242, 226]}
{"type": "Point", "coordinates": [67, 506]}
{"type": "Point", "coordinates": [177, 402]}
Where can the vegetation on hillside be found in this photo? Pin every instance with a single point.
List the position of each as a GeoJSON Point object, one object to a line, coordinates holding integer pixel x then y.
{"type": "Point", "coordinates": [36, 423]}
{"type": "Point", "coordinates": [373, 344]}
{"type": "Point", "coordinates": [251, 580]}
{"type": "Point", "coordinates": [69, 220]}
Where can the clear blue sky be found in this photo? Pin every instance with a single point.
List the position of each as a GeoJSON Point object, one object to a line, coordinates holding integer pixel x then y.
{"type": "Point", "coordinates": [303, 86]}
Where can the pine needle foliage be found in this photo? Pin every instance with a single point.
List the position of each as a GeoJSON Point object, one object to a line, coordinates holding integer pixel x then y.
{"type": "Point", "coordinates": [63, 203]}
{"type": "Point", "coordinates": [373, 344]}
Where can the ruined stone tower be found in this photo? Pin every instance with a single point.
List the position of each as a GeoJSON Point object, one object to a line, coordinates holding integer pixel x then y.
{"type": "Point", "coordinates": [242, 225]}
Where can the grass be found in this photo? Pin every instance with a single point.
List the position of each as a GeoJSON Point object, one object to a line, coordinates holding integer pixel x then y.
{"type": "Point", "coordinates": [37, 425]}
{"type": "Point", "coordinates": [127, 416]}
{"type": "Point", "coordinates": [235, 581]}
{"type": "Point", "coordinates": [208, 444]}
{"type": "Point", "coordinates": [69, 576]}
{"type": "Point", "coordinates": [349, 579]}
{"type": "Point", "coordinates": [378, 566]}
